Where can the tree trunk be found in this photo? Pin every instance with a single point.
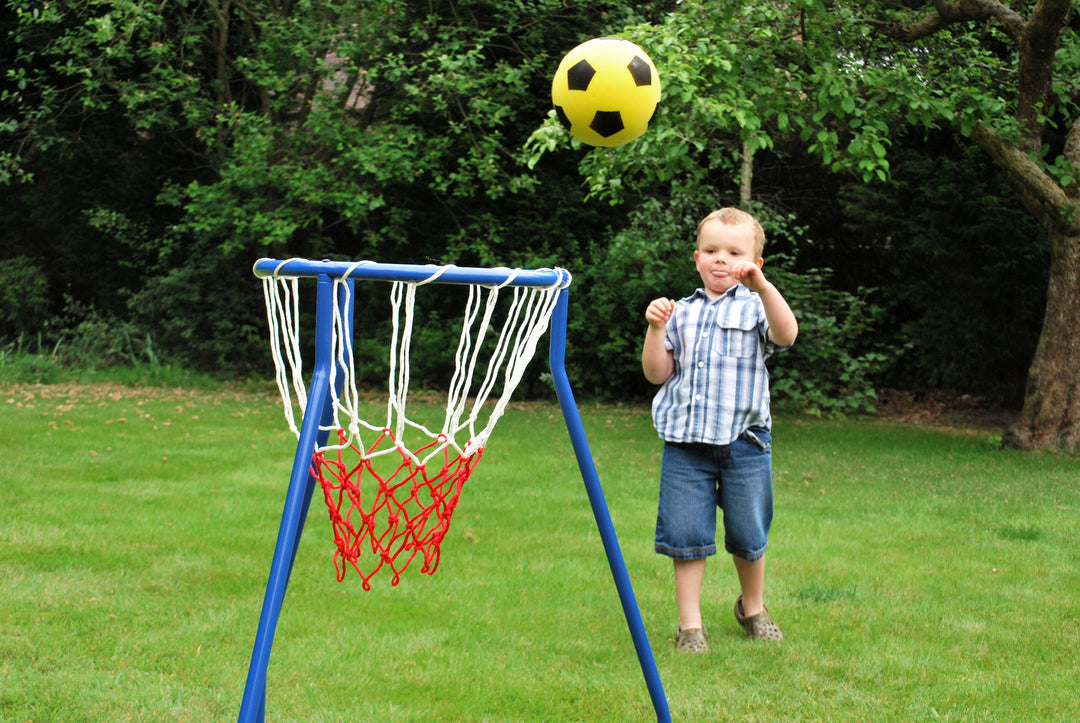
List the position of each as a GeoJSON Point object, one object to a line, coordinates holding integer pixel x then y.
{"type": "Point", "coordinates": [746, 177]}
{"type": "Point", "coordinates": [1050, 418]}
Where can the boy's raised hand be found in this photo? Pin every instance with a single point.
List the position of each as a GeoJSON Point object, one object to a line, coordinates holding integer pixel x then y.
{"type": "Point", "coordinates": [749, 275]}
{"type": "Point", "coordinates": [783, 327]}
{"type": "Point", "coordinates": [659, 311]}
{"type": "Point", "coordinates": [657, 361]}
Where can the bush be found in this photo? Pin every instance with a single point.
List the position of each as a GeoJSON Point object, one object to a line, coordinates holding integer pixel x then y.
{"type": "Point", "coordinates": [832, 367]}
{"type": "Point", "coordinates": [962, 269]}
{"type": "Point", "coordinates": [206, 313]}
{"type": "Point", "coordinates": [80, 339]}
{"type": "Point", "coordinates": [651, 257]}
{"type": "Point", "coordinates": [21, 367]}
{"type": "Point", "coordinates": [24, 301]}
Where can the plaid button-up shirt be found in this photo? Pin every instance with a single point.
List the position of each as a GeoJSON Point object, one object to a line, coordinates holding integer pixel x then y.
{"type": "Point", "coordinates": [720, 386]}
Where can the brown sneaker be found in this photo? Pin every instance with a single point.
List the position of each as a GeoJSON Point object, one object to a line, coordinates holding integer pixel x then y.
{"type": "Point", "coordinates": [760, 626]}
{"type": "Point", "coordinates": [694, 640]}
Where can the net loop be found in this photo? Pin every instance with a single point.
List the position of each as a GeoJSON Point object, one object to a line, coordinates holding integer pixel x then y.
{"type": "Point", "coordinates": [391, 485]}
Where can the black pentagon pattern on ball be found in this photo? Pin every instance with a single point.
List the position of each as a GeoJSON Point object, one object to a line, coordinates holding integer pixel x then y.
{"type": "Point", "coordinates": [640, 71]}
{"type": "Point", "coordinates": [562, 117]}
{"type": "Point", "coordinates": [607, 123]}
{"type": "Point", "coordinates": [580, 75]}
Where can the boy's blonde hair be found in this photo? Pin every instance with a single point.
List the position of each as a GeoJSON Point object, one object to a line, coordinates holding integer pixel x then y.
{"type": "Point", "coordinates": [731, 216]}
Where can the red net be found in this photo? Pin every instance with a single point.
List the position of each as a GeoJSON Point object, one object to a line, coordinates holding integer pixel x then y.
{"type": "Point", "coordinates": [388, 519]}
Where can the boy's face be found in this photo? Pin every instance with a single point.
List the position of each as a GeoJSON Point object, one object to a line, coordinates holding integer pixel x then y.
{"type": "Point", "coordinates": [720, 247]}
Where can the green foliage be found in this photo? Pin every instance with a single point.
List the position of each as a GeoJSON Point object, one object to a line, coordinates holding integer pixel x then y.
{"type": "Point", "coordinates": [148, 153]}
{"type": "Point", "coordinates": [748, 77]}
{"type": "Point", "coordinates": [362, 136]}
{"type": "Point", "coordinates": [753, 82]}
{"type": "Point", "coordinates": [23, 298]}
{"type": "Point", "coordinates": [839, 355]}
{"type": "Point", "coordinates": [19, 367]}
{"type": "Point", "coordinates": [160, 141]}
{"type": "Point", "coordinates": [947, 213]}
{"type": "Point", "coordinates": [81, 342]}
{"type": "Point", "coordinates": [227, 335]}
{"type": "Point", "coordinates": [651, 257]}
{"type": "Point", "coordinates": [83, 337]}
{"type": "Point", "coordinates": [831, 369]}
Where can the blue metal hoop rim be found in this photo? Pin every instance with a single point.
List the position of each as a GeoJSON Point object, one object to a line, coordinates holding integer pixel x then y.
{"type": "Point", "coordinates": [413, 273]}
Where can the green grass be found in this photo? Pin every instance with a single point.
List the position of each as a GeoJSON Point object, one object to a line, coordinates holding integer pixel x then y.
{"type": "Point", "coordinates": [918, 573]}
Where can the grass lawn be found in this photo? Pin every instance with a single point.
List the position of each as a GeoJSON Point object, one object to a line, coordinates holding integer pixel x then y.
{"type": "Point", "coordinates": [918, 573]}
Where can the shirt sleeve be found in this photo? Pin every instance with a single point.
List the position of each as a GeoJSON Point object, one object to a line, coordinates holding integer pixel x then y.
{"type": "Point", "coordinates": [768, 346]}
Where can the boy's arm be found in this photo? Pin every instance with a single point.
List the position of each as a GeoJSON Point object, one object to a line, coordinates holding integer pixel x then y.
{"type": "Point", "coordinates": [783, 327]}
{"type": "Point", "coordinates": [657, 361]}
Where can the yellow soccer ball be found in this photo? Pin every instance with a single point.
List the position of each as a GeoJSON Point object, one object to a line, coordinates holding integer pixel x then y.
{"type": "Point", "coordinates": [606, 91]}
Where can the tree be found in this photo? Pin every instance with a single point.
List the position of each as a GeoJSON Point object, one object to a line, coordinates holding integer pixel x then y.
{"type": "Point", "coordinates": [1027, 123]}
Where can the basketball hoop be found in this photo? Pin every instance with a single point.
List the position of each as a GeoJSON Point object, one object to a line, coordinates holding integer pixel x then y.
{"type": "Point", "coordinates": [391, 484]}
{"type": "Point", "coordinates": [385, 514]}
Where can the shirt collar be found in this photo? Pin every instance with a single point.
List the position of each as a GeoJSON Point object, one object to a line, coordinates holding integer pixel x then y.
{"type": "Point", "coordinates": [734, 291]}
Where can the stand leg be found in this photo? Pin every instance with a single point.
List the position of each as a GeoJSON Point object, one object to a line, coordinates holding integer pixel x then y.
{"type": "Point", "coordinates": [301, 485]}
{"type": "Point", "coordinates": [601, 513]}
{"type": "Point", "coordinates": [313, 433]}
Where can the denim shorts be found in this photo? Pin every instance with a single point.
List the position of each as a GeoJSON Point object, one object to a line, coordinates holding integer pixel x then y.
{"type": "Point", "coordinates": [696, 479]}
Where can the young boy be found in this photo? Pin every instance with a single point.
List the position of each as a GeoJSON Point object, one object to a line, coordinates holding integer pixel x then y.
{"type": "Point", "coordinates": [708, 352]}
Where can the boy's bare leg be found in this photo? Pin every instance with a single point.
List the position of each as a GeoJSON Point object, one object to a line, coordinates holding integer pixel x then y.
{"type": "Point", "coordinates": [752, 582]}
{"type": "Point", "coordinates": [689, 577]}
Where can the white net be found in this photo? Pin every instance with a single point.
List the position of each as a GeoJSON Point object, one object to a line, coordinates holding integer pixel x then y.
{"type": "Point", "coordinates": [501, 326]}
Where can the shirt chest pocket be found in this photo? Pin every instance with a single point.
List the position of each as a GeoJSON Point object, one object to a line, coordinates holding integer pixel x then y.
{"type": "Point", "coordinates": [736, 338]}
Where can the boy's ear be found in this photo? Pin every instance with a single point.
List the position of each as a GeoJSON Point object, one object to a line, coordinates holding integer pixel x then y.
{"type": "Point", "coordinates": [760, 261]}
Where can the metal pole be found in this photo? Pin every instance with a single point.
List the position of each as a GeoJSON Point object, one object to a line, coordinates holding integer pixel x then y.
{"type": "Point", "coordinates": [297, 500]}
{"type": "Point", "coordinates": [600, 510]}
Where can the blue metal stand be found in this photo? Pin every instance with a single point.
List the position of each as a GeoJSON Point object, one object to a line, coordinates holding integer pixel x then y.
{"type": "Point", "coordinates": [302, 484]}
{"type": "Point", "coordinates": [616, 562]}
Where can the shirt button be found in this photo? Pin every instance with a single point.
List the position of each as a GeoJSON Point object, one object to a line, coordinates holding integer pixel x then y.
{"type": "Point", "coordinates": [697, 397]}
{"type": "Point", "coordinates": [700, 364]}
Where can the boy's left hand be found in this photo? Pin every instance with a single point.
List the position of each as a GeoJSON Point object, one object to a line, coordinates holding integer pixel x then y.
{"type": "Point", "coordinates": [749, 275]}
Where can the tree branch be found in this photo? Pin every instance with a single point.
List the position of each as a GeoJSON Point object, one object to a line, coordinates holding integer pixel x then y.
{"type": "Point", "coordinates": [957, 11]}
{"type": "Point", "coordinates": [1038, 191]}
{"type": "Point", "coordinates": [1042, 39]}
